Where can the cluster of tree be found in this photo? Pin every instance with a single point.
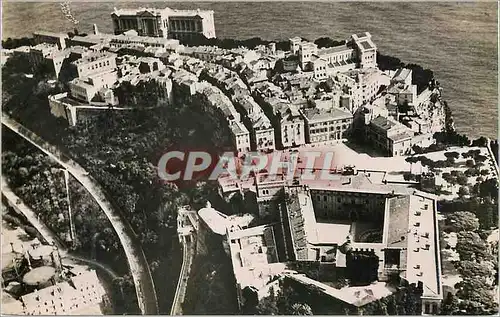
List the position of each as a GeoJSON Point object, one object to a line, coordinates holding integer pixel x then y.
{"type": "Point", "coordinates": [455, 177]}
{"type": "Point", "coordinates": [38, 181]}
{"type": "Point", "coordinates": [324, 42]}
{"type": "Point", "coordinates": [285, 301]}
{"type": "Point", "coordinates": [479, 270]}
{"type": "Point", "coordinates": [124, 295]}
{"type": "Point", "coordinates": [94, 235]}
{"type": "Point", "coordinates": [425, 161]}
{"type": "Point", "coordinates": [227, 43]}
{"type": "Point", "coordinates": [11, 43]}
{"type": "Point", "coordinates": [471, 247]}
{"type": "Point", "coordinates": [435, 147]}
{"type": "Point", "coordinates": [486, 209]}
{"type": "Point", "coordinates": [211, 287]}
{"type": "Point", "coordinates": [420, 76]}
{"type": "Point", "coordinates": [462, 221]}
{"type": "Point", "coordinates": [479, 293]}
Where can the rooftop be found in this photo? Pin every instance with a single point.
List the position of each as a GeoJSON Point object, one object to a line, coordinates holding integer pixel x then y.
{"type": "Point", "coordinates": [52, 34]}
{"type": "Point", "coordinates": [215, 220]}
{"type": "Point", "coordinates": [333, 50]}
{"type": "Point", "coordinates": [238, 128]}
{"type": "Point", "coordinates": [83, 297]}
{"type": "Point", "coordinates": [366, 45]}
{"type": "Point", "coordinates": [400, 136]}
{"type": "Point", "coordinates": [94, 56]}
{"type": "Point", "coordinates": [402, 74]}
{"type": "Point", "coordinates": [383, 123]}
{"type": "Point", "coordinates": [315, 114]}
{"type": "Point", "coordinates": [357, 296]}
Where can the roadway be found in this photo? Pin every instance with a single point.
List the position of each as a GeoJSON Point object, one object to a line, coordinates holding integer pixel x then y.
{"type": "Point", "coordinates": [137, 262]}
{"type": "Point", "coordinates": [188, 254]}
{"type": "Point", "coordinates": [183, 278]}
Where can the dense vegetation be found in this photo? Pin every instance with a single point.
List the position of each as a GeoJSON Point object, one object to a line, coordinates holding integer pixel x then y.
{"type": "Point", "coordinates": [38, 181]}
{"type": "Point", "coordinates": [120, 150]}
{"type": "Point", "coordinates": [211, 287]}
{"type": "Point", "coordinates": [11, 43]}
{"type": "Point", "coordinates": [478, 265]}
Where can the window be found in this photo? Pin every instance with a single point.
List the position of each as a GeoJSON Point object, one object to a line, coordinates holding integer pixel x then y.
{"type": "Point", "coordinates": [434, 308]}
{"type": "Point", "coordinates": [427, 308]}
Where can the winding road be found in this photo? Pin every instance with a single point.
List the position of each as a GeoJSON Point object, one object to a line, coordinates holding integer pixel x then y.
{"type": "Point", "coordinates": [144, 285]}
{"type": "Point", "coordinates": [182, 282]}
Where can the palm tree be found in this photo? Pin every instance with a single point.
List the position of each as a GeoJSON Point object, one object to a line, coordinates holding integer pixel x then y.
{"type": "Point", "coordinates": [411, 160]}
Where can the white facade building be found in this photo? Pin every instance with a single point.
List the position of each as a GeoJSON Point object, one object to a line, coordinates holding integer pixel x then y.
{"type": "Point", "coordinates": [171, 23]}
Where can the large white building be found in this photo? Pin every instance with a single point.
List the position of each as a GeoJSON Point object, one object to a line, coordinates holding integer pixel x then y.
{"type": "Point", "coordinates": [359, 51]}
{"type": "Point", "coordinates": [176, 24]}
{"type": "Point", "coordinates": [326, 126]}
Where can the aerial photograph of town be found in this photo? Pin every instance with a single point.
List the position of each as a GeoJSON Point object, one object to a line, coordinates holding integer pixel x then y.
{"type": "Point", "coordinates": [249, 158]}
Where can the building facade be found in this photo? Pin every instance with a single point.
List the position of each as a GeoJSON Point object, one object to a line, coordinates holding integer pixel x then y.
{"type": "Point", "coordinates": [390, 136]}
{"type": "Point", "coordinates": [176, 24]}
{"type": "Point", "coordinates": [325, 126]}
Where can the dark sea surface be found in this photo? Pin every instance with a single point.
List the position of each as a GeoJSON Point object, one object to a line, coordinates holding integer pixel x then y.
{"type": "Point", "coordinates": [458, 41]}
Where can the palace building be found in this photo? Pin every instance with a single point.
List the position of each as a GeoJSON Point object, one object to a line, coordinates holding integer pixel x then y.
{"type": "Point", "coordinates": [175, 24]}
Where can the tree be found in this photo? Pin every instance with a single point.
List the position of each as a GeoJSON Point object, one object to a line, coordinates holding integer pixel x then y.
{"type": "Point", "coordinates": [462, 179]}
{"type": "Point", "coordinates": [474, 269]}
{"type": "Point", "coordinates": [477, 290]}
{"type": "Point", "coordinates": [462, 221]}
{"type": "Point", "coordinates": [453, 154]}
{"type": "Point", "coordinates": [412, 160]}
{"type": "Point", "coordinates": [327, 42]}
{"type": "Point", "coordinates": [469, 163]}
{"type": "Point", "coordinates": [470, 246]}
{"type": "Point", "coordinates": [301, 309]}
{"type": "Point", "coordinates": [267, 306]}
{"type": "Point", "coordinates": [463, 191]}
{"type": "Point", "coordinates": [449, 306]}
{"type": "Point", "coordinates": [481, 142]}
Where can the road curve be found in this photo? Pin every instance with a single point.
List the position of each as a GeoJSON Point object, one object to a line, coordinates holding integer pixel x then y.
{"type": "Point", "coordinates": [144, 286]}
{"type": "Point", "coordinates": [181, 283]}
{"type": "Point", "coordinates": [15, 202]}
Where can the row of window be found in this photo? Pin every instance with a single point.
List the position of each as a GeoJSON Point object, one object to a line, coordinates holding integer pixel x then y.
{"type": "Point", "coordinates": [98, 65]}
{"type": "Point", "coordinates": [340, 58]}
{"type": "Point", "coordinates": [242, 141]}
{"type": "Point", "coordinates": [339, 199]}
{"type": "Point", "coordinates": [186, 25]}
{"type": "Point", "coordinates": [323, 130]}
{"type": "Point", "coordinates": [128, 23]}
{"type": "Point", "coordinates": [312, 125]}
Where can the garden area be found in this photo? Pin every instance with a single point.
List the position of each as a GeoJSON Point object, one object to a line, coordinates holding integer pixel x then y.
{"type": "Point", "coordinates": [470, 266]}
{"type": "Point", "coordinates": [459, 172]}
